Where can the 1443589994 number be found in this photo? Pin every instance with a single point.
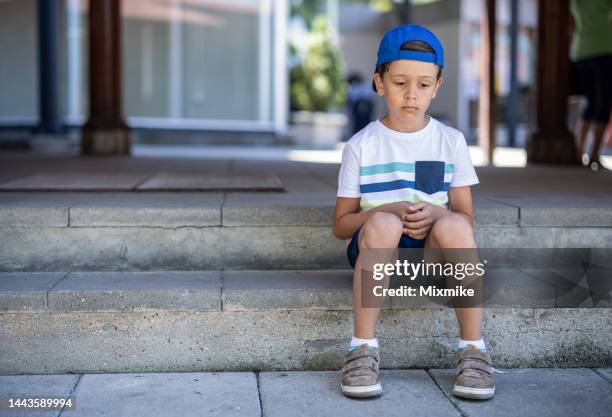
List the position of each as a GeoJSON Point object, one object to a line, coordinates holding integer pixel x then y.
{"type": "Point", "coordinates": [38, 402]}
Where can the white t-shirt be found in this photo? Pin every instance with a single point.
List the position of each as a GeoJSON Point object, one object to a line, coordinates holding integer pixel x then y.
{"type": "Point", "coordinates": [381, 165]}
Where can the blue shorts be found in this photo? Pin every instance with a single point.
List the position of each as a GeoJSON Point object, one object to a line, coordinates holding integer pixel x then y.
{"type": "Point", "coordinates": [352, 250]}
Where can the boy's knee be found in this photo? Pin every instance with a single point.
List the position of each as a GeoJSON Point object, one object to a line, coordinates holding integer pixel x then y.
{"type": "Point", "coordinates": [381, 230]}
{"type": "Point", "coordinates": [453, 231]}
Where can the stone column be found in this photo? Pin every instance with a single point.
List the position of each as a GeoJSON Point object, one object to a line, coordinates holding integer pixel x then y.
{"type": "Point", "coordinates": [552, 142]}
{"type": "Point", "coordinates": [487, 115]}
{"type": "Point", "coordinates": [105, 132]}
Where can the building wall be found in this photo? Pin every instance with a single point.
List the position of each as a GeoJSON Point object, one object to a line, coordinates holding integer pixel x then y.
{"type": "Point", "coordinates": [446, 104]}
{"type": "Point", "coordinates": [188, 60]}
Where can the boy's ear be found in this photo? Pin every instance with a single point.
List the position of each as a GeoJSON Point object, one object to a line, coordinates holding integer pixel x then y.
{"type": "Point", "coordinates": [438, 85]}
{"type": "Point", "coordinates": [380, 89]}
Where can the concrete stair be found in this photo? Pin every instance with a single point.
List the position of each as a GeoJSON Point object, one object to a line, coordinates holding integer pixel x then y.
{"type": "Point", "coordinates": [213, 281]}
{"type": "Point", "coordinates": [176, 321]}
{"type": "Point", "coordinates": [239, 231]}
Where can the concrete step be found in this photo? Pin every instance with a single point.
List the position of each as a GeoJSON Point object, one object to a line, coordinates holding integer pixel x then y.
{"type": "Point", "coordinates": [239, 231]}
{"type": "Point", "coordinates": [178, 321]}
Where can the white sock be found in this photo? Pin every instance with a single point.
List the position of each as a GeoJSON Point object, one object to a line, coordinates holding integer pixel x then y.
{"type": "Point", "coordinates": [480, 344]}
{"type": "Point", "coordinates": [356, 342]}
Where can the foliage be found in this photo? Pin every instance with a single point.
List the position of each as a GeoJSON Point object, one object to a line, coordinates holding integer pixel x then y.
{"type": "Point", "coordinates": [317, 83]}
{"type": "Point", "coordinates": [308, 10]}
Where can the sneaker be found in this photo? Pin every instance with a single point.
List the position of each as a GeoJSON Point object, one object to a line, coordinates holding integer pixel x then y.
{"type": "Point", "coordinates": [360, 373]}
{"type": "Point", "coordinates": [474, 372]}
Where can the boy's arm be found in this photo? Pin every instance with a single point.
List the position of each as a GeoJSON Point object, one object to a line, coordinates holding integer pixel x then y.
{"type": "Point", "coordinates": [464, 175]}
{"type": "Point", "coordinates": [347, 218]}
{"type": "Point", "coordinates": [460, 202]}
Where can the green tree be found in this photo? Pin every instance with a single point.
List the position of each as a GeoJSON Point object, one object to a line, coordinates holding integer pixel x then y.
{"type": "Point", "coordinates": [317, 83]}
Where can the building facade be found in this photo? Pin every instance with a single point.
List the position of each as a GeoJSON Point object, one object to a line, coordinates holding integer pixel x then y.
{"type": "Point", "coordinates": [192, 64]}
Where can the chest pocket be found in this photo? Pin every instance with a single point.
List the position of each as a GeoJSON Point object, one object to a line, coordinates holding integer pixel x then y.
{"type": "Point", "coordinates": [429, 176]}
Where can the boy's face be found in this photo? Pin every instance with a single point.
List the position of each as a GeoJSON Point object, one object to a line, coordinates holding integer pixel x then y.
{"type": "Point", "coordinates": [408, 88]}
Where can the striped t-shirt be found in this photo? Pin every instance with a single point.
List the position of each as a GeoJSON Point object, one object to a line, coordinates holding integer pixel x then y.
{"type": "Point", "coordinates": [381, 165]}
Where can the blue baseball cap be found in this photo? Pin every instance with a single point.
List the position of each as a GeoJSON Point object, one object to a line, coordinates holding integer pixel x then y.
{"type": "Point", "coordinates": [390, 45]}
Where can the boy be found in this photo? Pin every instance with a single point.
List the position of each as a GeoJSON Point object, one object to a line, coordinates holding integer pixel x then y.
{"type": "Point", "coordinates": [405, 182]}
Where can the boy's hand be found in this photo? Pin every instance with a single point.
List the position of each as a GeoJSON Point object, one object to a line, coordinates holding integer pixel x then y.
{"type": "Point", "coordinates": [399, 208]}
{"type": "Point", "coordinates": [419, 218]}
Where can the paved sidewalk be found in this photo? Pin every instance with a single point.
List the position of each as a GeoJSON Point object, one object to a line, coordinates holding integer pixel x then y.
{"type": "Point", "coordinates": [520, 392]}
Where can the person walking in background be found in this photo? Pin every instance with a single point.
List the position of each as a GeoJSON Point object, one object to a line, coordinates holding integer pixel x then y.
{"type": "Point", "coordinates": [591, 54]}
{"type": "Point", "coordinates": [360, 101]}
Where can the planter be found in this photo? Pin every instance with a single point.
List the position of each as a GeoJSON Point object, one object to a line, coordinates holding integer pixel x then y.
{"type": "Point", "coordinates": [317, 130]}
